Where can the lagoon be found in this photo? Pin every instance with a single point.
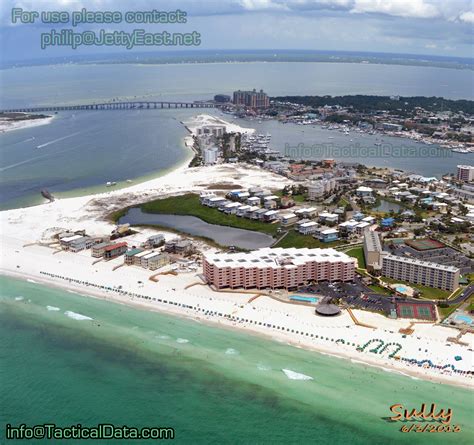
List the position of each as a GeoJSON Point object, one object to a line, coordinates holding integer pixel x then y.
{"type": "Point", "coordinates": [223, 235]}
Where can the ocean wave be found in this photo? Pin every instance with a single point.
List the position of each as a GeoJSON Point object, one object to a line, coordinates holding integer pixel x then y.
{"type": "Point", "coordinates": [163, 337]}
{"type": "Point", "coordinates": [19, 298]}
{"type": "Point", "coordinates": [293, 375]}
{"type": "Point", "coordinates": [31, 281]}
{"type": "Point", "coordinates": [52, 308]}
{"type": "Point", "coordinates": [182, 340]}
{"type": "Point", "coordinates": [231, 351]}
{"type": "Point", "coordinates": [77, 316]}
{"type": "Point", "coordinates": [262, 367]}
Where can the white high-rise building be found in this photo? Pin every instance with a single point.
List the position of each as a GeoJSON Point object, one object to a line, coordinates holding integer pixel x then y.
{"type": "Point", "coordinates": [465, 173]}
{"type": "Point", "coordinates": [210, 155]}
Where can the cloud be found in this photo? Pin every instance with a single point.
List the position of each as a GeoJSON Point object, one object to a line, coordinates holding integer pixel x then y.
{"type": "Point", "coordinates": [398, 8]}
{"type": "Point", "coordinates": [467, 17]}
{"type": "Point", "coordinates": [260, 5]}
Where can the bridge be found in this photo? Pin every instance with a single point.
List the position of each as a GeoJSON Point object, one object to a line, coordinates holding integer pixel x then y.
{"type": "Point", "coordinates": [141, 105]}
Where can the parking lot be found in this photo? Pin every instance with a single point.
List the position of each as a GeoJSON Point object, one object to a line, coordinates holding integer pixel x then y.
{"type": "Point", "coordinates": [355, 294]}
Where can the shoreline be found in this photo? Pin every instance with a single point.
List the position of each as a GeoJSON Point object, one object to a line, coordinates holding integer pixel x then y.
{"type": "Point", "coordinates": [35, 225]}
{"type": "Point", "coordinates": [7, 126]}
{"type": "Point", "coordinates": [356, 359]}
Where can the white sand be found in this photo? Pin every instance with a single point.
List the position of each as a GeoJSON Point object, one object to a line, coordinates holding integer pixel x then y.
{"type": "Point", "coordinates": [9, 125]}
{"type": "Point", "coordinates": [37, 224]}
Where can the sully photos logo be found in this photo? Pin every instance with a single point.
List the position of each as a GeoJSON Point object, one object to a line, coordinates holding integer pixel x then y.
{"type": "Point", "coordinates": [424, 420]}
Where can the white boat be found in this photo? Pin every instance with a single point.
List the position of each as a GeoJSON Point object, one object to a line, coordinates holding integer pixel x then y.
{"type": "Point", "coordinates": [110, 184]}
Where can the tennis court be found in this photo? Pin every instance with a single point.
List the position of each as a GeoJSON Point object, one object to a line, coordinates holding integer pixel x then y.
{"type": "Point", "coordinates": [424, 244]}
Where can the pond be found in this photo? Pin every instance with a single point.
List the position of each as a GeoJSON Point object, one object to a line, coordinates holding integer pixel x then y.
{"type": "Point", "coordinates": [386, 206]}
{"type": "Point", "coordinates": [223, 235]}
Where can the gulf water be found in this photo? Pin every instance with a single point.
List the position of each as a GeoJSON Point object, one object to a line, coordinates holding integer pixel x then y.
{"type": "Point", "coordinates": [212, 385]}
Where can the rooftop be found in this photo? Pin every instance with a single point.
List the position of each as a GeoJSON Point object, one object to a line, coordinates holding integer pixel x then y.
{"type": "Point", "coordinates": [277, 257]}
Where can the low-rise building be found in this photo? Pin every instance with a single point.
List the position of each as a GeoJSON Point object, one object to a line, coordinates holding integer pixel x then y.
{"type": "Point", "coordinates": [130, 254]}
{"type": "Point", "coordinates": [76, 243]}
{"type": "Point", "coordinates": [328, 235]}
{"type": "Point", "coordinates": [179, 246]}
{"type": "Point", "coordinates": [154, 241]}
{"type": "Point", "coordinates": [158, 261]}
{"type": "Point", "coordinates": [308, 228]}
{"type": "Point", "coordinates": [288, 219]}
{"type": "Point", "coordinates": [97, 250]}
{"type": "Point", "coordinates": [115, 250]}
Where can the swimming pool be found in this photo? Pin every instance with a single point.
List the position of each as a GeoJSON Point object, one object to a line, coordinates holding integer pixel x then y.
{"type": "Point", "coordinates": [401, 289]}
{"type": "Point", "coordinates": [304, 299]}
{"type": "Point", "coordinates": [464, 319]}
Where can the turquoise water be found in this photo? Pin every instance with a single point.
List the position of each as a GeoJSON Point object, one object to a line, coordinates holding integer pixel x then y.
{"type": "Point", "coordinates": [302, 298]}
{"type": "Point", "coordinates": [220, 386]}
{"type": "Point", "coordinates": [464, 318]}
{"type": "Point", "coordinates": [401, 289]}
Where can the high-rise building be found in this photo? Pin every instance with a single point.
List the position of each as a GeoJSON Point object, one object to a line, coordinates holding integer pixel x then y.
{"type": "Point", "coordinates": [252, 99]}
{"type": "Point", "coordinates": [420, 272]}
{"type": "Point", "coordinates": [465, 173]}
{"type": "Point", "coordinates": [277, 268]}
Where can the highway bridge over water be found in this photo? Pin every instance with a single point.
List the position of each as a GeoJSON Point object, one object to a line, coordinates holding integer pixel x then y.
{"type": "Point", "coordinates": [140, 105]}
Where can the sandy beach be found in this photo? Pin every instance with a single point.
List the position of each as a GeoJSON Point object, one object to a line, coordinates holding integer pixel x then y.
{"type": "Point", "coordinates": [10, 125]}
{"type": "Point", "coordinates": [25, 254]}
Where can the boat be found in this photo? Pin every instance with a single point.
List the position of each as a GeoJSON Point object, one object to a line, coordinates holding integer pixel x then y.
{"type": "Point", "coordinates": [110, 184]}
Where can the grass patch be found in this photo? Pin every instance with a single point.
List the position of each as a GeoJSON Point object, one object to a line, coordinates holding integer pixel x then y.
{"type": "Point", "coordinates": [447, 311]}
{"type": "Point", "coordinates": [379, 289]}
{"type": "Point", "coordinates": [426, 292]}
{"type": "Point", "coordinates": [358, 252]}
{"type": "Point", "coordinates": [189, 205]}
{"type": "Point", "coordinates": [295, 239]}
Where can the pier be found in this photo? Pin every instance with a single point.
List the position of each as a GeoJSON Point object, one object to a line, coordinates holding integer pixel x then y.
{"type": "Point", "coordinates": [140, 105]}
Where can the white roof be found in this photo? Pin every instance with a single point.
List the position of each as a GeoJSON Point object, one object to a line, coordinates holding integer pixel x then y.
{"type": "Point", "coordinates": [71, 238]}
{"type": "Point", "coordinates": [328, 215]}
{"type": "Point", "coordinates": [364, 189]}
{"type": "Point", "coordinates": [271, 212]}
{"type": "Point", "coordinates": [368, 218]}
{"type": "Point", "coordinates": [266, 198]}
{"type": "Point", "coordinates": [277, 257]}
{"type": "Point", "coordinates": [288, 215]}
{"type": "Point", "coordinates": [142, 254]}
{"type": "Point", "coordinates": [309, 224]}
{"type": "Point", "coordinates": [329, 231]}
{"type": "Point", "coordinates": [150, 255]}
{"type": "Point", "coordinates": [350, 223]}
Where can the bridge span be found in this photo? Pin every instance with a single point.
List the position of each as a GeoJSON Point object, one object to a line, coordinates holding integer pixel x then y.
{"type": "Point", "coordinates": [140, 105]}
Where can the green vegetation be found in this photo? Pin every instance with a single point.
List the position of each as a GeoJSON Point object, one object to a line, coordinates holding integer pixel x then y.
{"type": "Point", "coordinates": [430, 293]}
{"type": "Point", "coordinates": [295, 239]}
{"type": "Point", "coordinates": [405, 106]}
{"type": "Point", "coordinates": [189, 205]}
{"type": "Point", "coordinates": [380, 289]}
{"type": "Point", "coordinates": [446, 311]}
{"type": "Point", "coordinates": [358, 252]}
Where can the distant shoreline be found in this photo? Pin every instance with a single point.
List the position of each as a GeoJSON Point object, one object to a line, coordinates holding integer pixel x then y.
{"type": "Point", "coordinates": [7, 124]}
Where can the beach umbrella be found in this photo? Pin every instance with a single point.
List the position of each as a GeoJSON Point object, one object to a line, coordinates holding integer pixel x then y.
{"type": "Point", "coordinates": [457, 358]}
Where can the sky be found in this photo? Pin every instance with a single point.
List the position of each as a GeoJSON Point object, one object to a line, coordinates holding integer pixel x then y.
{"type": "Point", "coordinates": [431, 27]}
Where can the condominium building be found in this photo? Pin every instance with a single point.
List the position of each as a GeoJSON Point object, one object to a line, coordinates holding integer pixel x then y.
{"type": "Point", "coordinates": [465, 173]}
{"type": "Point", "coordinates": [420, 272]}
{"type": "Point", "coordinates": [318, 189]}
{"type": "Point", "coordinates": [277, 268]}
{"type": "Point", "coordinates": [252, 99]}
{"type": "Point", "coordinates": [372, 251]}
